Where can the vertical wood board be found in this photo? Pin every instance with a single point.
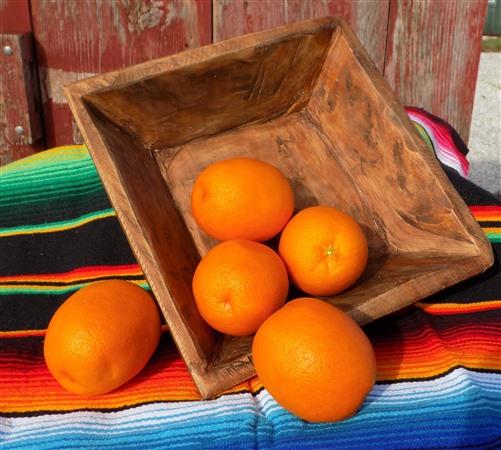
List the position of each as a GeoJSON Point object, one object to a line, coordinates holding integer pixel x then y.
{"type": "Point", "coordinates": [432, 56]}
{"type": "Point", "coordinates": [93, 36]}
{"type": "Point", "coordinates": [368, 18]}
{"type": "Point", "coordinates": [17, 85]}
{"type": "Point", "coordinates": [15, 20]}
{"type": "Point", "coordinates": [14, 16]}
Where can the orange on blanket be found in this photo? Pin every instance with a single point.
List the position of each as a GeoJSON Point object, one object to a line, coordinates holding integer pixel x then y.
{"type": "Point", "coordinates": [101, 337]}
{"type": "Point", "coordinates": [314, 360]}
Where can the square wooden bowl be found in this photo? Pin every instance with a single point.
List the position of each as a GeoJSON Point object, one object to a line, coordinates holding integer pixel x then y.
{"type": "Point", "coordinates": [306, 98]}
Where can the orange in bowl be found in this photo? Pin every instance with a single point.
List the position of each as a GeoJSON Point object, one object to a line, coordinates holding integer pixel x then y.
{"type": "Point", "coordinates": [238, 284]}
{"type": "Point", "coordinates": [101, 337]}
{"type": "Point", "coordinates": [324, 249]}
{"type": "Point", "coordinates": [242, 198]}
{"type": "Point", "coordinates": [314, 360]}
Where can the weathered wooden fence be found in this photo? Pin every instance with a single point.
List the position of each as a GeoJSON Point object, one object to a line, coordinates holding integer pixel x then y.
{"type": "Point", "coordinates": [428, 50]}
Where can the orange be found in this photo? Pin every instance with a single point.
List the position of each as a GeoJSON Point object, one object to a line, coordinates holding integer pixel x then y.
{"type": "Point", "coordinates": [324, 249]}
{"type": "Point", "coordinates": [101, 337]}
{"type": "Point", "coordinates": [242, 198]}
{"type": "Point", "coordinates": [238, 284]}
{"type": "Point", "coordinates": [314, 360]}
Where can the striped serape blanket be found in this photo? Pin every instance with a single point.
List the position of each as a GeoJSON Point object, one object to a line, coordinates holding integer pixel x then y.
{"type": "Point", "coordinates": [439, 362]}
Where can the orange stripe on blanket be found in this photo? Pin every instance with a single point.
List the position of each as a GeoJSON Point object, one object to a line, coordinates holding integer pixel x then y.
{"type": "Point", "coordinates": [458, 308]}
{"type": "Point", "coordinates": [21, 333]}
{"type": "Point", "coordinates": [81, 273]}
{"type": "Point", "coordinates": [27, 385]}
{"type": "Point", "coordinates": [432, 352]}
{"type": "Point", "coordinates": [487, 218]}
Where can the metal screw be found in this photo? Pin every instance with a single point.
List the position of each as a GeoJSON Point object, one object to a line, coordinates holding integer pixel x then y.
{"type": "Point", "coordinates": [19, 130]}
{"type": "Point", "coordinates": [7, 50]}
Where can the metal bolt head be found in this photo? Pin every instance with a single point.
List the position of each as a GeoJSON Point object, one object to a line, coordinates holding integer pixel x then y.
{"type": "Point", "coordinates": [19, 130]}
{"type": "Point", "coordinates": [7, 50]}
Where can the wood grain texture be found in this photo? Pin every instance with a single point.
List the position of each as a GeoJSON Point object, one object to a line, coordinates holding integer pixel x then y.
{"type": "Point", "coordinates": [210, 97]}
{"type": "Point", "coordinates": [92, 36]}
{"type": "Point", "coordinates": [346, 143]}
{"type": "Point", "coordinates": [19, 101]}
{"type": "Point", "coordinates": [432, 56]}
{"type": "Point", "coordinates": [15, 101]}
{"type": "Point", "coordinates": [368, 18]}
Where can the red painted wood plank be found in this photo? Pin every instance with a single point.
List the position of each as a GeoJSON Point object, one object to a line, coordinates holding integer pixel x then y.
{"type": "Point", "coordinates": [78, 38]}
{"type": "Point", "coordinates": [95, 36]}
{"type": "Point", "coordinates": [367, 18]}
{"type": "Point", "coordinates": [432, 56]}
{"type": "Point", "coordinates": [14, 20]}
{"type": "Point", "coordinates": [17, 89]}
{"type": "Point", "coordinates": [14, 16]}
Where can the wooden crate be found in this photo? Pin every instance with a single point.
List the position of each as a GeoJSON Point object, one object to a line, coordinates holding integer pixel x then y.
{"type": "Point", "coordinates": [306, 98]}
